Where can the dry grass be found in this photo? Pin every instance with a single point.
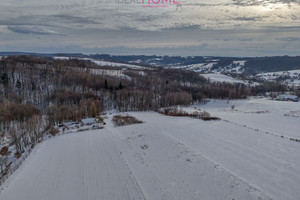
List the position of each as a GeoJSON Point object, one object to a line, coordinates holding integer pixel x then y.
{"type": "Point", "coordinates": [123, 120]}
{"type": "Point", "coordinates": [53, 131]}
{"type": "Point", "coordinates": [175, 112]}
{"type": "Point", "coordinates": [210, 118]}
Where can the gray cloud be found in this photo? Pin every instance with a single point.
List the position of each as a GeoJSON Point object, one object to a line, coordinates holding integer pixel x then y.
{"type": "Point", "coordinates": [222, 27]}
{"type": "Point", "coordinates": [290, 28]}
{"type": "Point", "coordinates": [32, 30]}
{"type": "Point", "coordinates": [184, 27]}
{"type": "Point", "coordinates": [263, 2]}
{"type": "Point", "coordinates": [42, 20]}
{"type": "Point", "coordinates": [247, 18]}
{"type": "Point", "coordinates": [289, 39]}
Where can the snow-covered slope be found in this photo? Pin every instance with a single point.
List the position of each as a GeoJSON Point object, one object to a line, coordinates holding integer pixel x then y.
{"type": "Point", "coordinates": [115, 64]}
{"type": "Point", "coordinates": [222, 78]}
{"type": "Point", "coordinates": [243, 156]}
{"type": "Point", "coordinates": [236, 67]}
{"type": "Point", "coordinates": [133, 162]}
{"type": "Point", "coordinates": [206, 69]}
{"type": "Point", "coordinates": [267, 162]}
{"type": "Point", "coordinates": [280, 118]}
{"type": "Point", "coordinates": [74, 167]}
{"type": "Point", "coordinates": [200, 67]}
{"type": "Point", "coordinates": [104, 63]}
{"type": "Point", "coordinates": [291, 77]}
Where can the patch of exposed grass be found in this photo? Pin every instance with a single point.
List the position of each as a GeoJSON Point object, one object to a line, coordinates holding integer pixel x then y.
{"type": "Point", "coordinates": [175, 112]}
{"type": "Point", "coordinates": [123, 120]}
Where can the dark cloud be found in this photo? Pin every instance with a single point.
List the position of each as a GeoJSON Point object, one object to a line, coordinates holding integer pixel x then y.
{"type": "Point", "coordinates": [246, 39]}
{"type": "Point", "coordinates": [289, 39]}
{"type": "Point", "coordinates": [263, 2]}
{"type": "Point", "coordinates": [237, 39]}
{"type": "Point", "coordinates": [247, 18]}
{"type": "Point", "coordinates": [147, 18]}
{"type": "Point", "coordinates": [72, 19]}
{"type": "Point", "coordinates": [32, 30]}
{"type": "Point", "coordinates": [46, 20]}
{"type": "Point", "coordinates": [282, 27]}
{"type": "Point", "coordinates": [184, 27]}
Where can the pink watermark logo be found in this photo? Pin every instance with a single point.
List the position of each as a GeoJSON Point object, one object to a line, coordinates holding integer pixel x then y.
{"type": "Point", "coordinates": [150, 3]}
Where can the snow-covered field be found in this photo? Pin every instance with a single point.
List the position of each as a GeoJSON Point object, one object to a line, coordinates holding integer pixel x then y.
{"type": "Point", "coordinates": [105, 63]}
{"type": "Point", "coordinates": [207, 67]}
{"type": "Point", "coordinates": [292, 73]}
{"type": "Point", "coordinates": [280, 118]}
{"type": "Point", "coordinates": [200, 67]}
{"type": "Point", "coordinates": [291, 77]}
{"type": "Point", "coordinates": [222, 78]}
{"type": "Point", "coordinates": [115, 64]}
{"type": "Point", "coordinates": [171, 158]}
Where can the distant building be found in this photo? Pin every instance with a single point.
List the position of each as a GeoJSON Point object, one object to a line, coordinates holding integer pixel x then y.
{"type": "Point", "coordinates": [287, 97]}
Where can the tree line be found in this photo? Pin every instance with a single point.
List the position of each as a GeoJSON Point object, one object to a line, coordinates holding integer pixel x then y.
{"type": "Point", "coordinates": [38, 93]}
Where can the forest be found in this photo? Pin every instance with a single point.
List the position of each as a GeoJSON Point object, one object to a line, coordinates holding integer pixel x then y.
{"type": "Point", "coordinates": [39, 93]}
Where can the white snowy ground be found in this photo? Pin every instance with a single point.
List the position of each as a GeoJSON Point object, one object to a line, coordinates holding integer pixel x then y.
{"type": "Point", "coordinates": [104, 63]}
{"type": "Point", "coordinates": [290, 77]}
{"type": "Point", "coordinates": [168, 158]}
{"type": "Point", "coordinates": [222, 78]}
{"type": "Point", "coordinates": [280, 118]}
{"type": "Point", "coordinates": [79, 166]}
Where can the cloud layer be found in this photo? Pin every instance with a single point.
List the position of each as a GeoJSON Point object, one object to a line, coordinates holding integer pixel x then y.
{"type": "Point", "coordinates": [205, 27]}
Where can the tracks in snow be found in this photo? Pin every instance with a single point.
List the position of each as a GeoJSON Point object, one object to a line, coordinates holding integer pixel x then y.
{"type": "Point", "coordinates": [85, 166]}
{"type": "Point", "coordinates": [263, 131]}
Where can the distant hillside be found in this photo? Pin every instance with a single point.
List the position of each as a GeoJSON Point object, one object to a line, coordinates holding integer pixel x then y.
{"type": "Point", "coordinates": [272, 64]}
{"type": "Point", "coordinates": [40, 54]}
{"type": "Point", "coordinates": [202, 64]}
{"type": "Point", "coordinates": [251, 65]}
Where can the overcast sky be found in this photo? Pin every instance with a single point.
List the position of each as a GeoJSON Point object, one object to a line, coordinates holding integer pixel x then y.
{"type": "Point", "coordinates": [203, 27]}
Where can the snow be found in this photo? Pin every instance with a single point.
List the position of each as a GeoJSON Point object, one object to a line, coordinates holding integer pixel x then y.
{"type": "Point", "coordinates": [115, 64]}
{"type": "Point", "coordinates": [171, 158]}
{"type": "Point", "coordinates": [267, 115]}
{"type": "Point", "coordinates": [240, 62]}
{"type": "Point", "coordinates": [236, 67]}
{"type": "Point", "coordinates": [89, 121]}
{"type": "Point", "coordinates": [200, 67]}
{"type": "Point", "coordinates": [78, 166]}
{"type": "Point", "coordinates": [222, 78]}
{"type": "Point", "coordinates": [136, 61]}
{"type": "Point", "coordinates": [110, 164]}
{"type": "Point", "coordinates": [169, 169]}
{"type": "Point", "coordinates": [61, 58]}
{"type": "Point", "coordinates": [292, 72]}
{"type": "Point", "coordinates": [103, 63]}
{"type": "Point", "coordinates": [288, 96]}
{"type": "Point", "coordinates": [291, 77]}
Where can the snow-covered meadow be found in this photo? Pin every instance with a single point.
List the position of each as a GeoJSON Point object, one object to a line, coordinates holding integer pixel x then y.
{"type": "Point", "coordinates": [104, 63]}
{"type": "Point", "coordinates": [291, 77]}
{"type": "Point", "coordinates": [222, 78]}
{"type": "Point", "coordinates": [242, 156]}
